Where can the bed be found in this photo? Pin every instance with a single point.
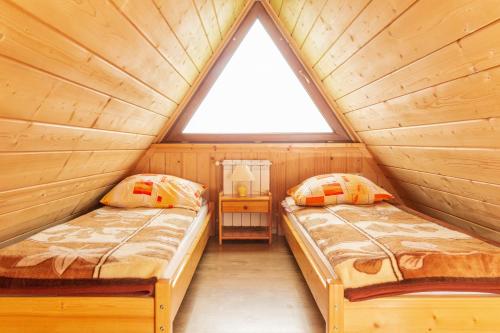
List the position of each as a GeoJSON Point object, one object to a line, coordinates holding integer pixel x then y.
{"type": "Point", "coordinates": [349, 302]}
{"type": "Point", "coordinates": [132, 277]}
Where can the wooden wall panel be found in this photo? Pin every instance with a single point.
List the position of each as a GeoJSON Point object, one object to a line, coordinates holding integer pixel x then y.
{"type": "Point", "coordinates": [409, 39]}
{"type": "Point", "coordinates": [227, 11]}
{"type": "Point", "coordinates": [374, 17]}
{"type": "Point", "coordinates": [471, 55]}
{"type": "Point", "coordinates": [417, 79]}
{"type": "Point", "coordinates": [183, 18]}
{"type": "Point", "coordinates": [206, 11]}
{"type": "Point", "coordinates": [149, 21]}
{"type": "Point", "coordinates": [103, 23]}
{"type": "Point", "coordinates": [334, 18]}
{"type": "Point", "coordinates": [419, 82]}
{"type": "Point", "coordinates": [32, 42]}
{"type": "Point", "coordinates": [81, 103]}
{"type": "Point", "coordinates": [290, 163]}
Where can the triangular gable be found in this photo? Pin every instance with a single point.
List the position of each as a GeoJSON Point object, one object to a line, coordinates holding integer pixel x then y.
{"type": "Point", "coordinates": [257, 15]}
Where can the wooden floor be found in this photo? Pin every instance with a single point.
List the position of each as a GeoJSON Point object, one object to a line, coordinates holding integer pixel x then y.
{"type": "Point", "coordinates": [248, 287]}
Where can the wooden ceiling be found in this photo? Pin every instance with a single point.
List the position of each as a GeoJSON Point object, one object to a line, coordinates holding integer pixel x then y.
{"type": "Point", "coordinates": [87, 86]}
{"type": "Point", "coordinates": [419, 81]}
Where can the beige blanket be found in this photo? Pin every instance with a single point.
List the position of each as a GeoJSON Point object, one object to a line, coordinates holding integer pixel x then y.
{"type": "Point", "coordinates": [108, 243]}
{"type": "Point", "coordinates": [382, 250]}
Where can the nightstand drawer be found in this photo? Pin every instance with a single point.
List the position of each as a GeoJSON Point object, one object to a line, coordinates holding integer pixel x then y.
{"type": "Point", "coordinates": [245, 206]}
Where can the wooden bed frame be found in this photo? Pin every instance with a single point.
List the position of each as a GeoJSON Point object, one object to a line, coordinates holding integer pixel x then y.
{"type": "Point", "coordinates": [405, 313]}
{"type": "Point", "coordinates": [92, 314]}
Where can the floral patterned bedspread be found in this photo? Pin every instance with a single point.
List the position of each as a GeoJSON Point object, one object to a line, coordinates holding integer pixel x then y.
{"type": "Point", "coordinates": [108, 243]}
{"type": "Point", "coordinates": [381, 250]}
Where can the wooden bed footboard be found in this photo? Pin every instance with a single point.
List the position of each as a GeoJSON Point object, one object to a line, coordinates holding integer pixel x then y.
{"type": "Point", "coordinates": [327, 291]}
{"type": "Point", "coordinates": [415, 313]}
{"type": "Point", "coordinates": [107, 314]}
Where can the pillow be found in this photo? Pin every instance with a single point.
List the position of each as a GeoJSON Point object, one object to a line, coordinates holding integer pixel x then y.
{"type": "Point", "coordinates": [337, 188]}
{"type": "Point", "coordinates": [155, 191]}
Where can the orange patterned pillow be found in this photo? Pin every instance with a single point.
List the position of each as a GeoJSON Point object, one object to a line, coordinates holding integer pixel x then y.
{"type": "Point", "coordinates": [155, 191]}
{"type": "Point", "coordinates": [337, 188]}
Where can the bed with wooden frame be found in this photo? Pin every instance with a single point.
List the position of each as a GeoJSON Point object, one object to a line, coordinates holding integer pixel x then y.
{"type": "Point", "coordinates": [417, 312]}
{"type": "Point", "coordinates": [105, 314]}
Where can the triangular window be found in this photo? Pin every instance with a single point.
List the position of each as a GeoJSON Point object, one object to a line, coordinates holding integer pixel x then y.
{"type": "Point", "coordinates": [257, 91]}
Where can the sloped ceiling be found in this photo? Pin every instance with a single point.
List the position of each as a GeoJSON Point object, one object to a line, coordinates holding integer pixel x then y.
{"type": "Point", "coordinates": [86, 86]}
{"type": "Point", "coordinates": [419, 82]}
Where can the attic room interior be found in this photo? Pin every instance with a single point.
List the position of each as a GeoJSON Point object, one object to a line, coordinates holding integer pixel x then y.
{"type": "Point", "coordinates": [236, 166]}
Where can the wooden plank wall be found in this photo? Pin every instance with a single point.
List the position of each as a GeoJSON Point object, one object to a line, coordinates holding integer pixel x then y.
{"type": "Point", "coordinates": [419, 81]}
{"type": "Point", "coordinates": [291, 163]}
{"type": "Point", "coordinates": [85, 87]}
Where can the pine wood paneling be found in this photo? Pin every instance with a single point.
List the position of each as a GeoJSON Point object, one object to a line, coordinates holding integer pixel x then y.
{"type": "Point", "coordinates": [206, 11]}
{"type": "Point", "coordinates": [276, 5]}
{"type": "Point", "coordinates": [481, 133]}
{"type": "Point", "coordinates": [85, 87]}
{"type": "Point", "coordinates": [374, 18]}
{"type": "Point", "coordinates": [149, 21]}
{"type": "Point", "coordinates": [473, 164]}
{"type": "Point", "coordinates": [308, 16]}
{"type": "Point", "coordinates": [32, 42]}
{"type": "Point", "coordinates": [419, 81]}
{"type": "Point", "coordinates": [183, 19]}
{"type": "Point", "coordinates": [480, 212]}
{"type": "Point", "coordinates": [27, 169]}
{"type": "Point", "coordinates": [20, 135]}
{"type": "Point", "coordinates": [408, 38]}
{"type": "Point", "coordinates": [227, 11]}
{"type": "Point", "coordinates": [471, 55]}
{"type": "Point", "coordinates": [472, 97]}
{"type": "Point", "coordinates": [290, 163]}
{"type": "Point", "coordinates": [35, 195]}
{"type": "Point", "coordinates": [53, 100]}
{"type": "Point", "coordinates": [103, 22]}
{"type": "Point", "coordinates": [290, 12]}
{"type": "Point", "coordinates": [35, 216]}
{"type": "Point", "coordinates": [480, 191]}
{"type": "Point", "coordinates": [335, 17]}
{"type": "Point", "coordinates": [472, 227]}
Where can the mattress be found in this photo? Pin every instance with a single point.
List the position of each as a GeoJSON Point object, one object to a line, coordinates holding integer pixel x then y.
{"type": "Point", "coordinates": [381, 250]}
{"type": "Point", "coordinates": [109, 251]}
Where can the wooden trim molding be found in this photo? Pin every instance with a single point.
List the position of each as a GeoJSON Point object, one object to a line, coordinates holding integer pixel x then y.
{"type": "Point", "coordinates": [260, 12]}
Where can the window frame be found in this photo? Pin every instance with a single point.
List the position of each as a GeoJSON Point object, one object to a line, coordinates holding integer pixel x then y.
{"type": "Point", "coordinates": [257, 11]}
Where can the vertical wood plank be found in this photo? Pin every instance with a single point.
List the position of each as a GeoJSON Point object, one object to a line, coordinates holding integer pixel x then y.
{"type": "Point", "coordinates": [203, 168]}
{"type": "Point", "coordinates": [174, 164]}
{"type": "Point", "coordinates": [306, 165]}
{"type": "Point", "coordinates": [292, 169]}
{"type": "Point", "coordinates": [189, 166]}
{"type": "Point", "coordinates": [157, 163]}
{"type": "Point", "coordinates": [354, 162]}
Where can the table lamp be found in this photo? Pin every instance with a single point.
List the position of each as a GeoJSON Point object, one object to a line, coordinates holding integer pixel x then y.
{"type": "Point", "coordinates": [242, 175]}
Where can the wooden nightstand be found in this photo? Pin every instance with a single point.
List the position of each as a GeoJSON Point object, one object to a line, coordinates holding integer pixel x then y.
{"type": "Point", "coordinates": [249, 204]}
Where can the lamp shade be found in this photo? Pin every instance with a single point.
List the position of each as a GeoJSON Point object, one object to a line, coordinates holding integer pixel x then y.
{"type": "Point", "coordinates": [242, 173]}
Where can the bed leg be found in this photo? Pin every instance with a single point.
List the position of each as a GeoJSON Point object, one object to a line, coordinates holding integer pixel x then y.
{"type": "Point", "coordinates": [163, 322]}
{"type": "Point", "coordinates": [335, 321]}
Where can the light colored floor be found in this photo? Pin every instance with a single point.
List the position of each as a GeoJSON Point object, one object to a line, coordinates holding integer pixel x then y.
{"type": "Point", "coordinates": [248, 288]}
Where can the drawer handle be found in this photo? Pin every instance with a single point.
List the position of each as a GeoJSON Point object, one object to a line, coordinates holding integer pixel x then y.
{"type": "Point", "coordinates": [245, 207]}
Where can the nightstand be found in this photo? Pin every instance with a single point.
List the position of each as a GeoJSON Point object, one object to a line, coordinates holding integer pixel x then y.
{"type": "Point", "coordinates": [245, 205]}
